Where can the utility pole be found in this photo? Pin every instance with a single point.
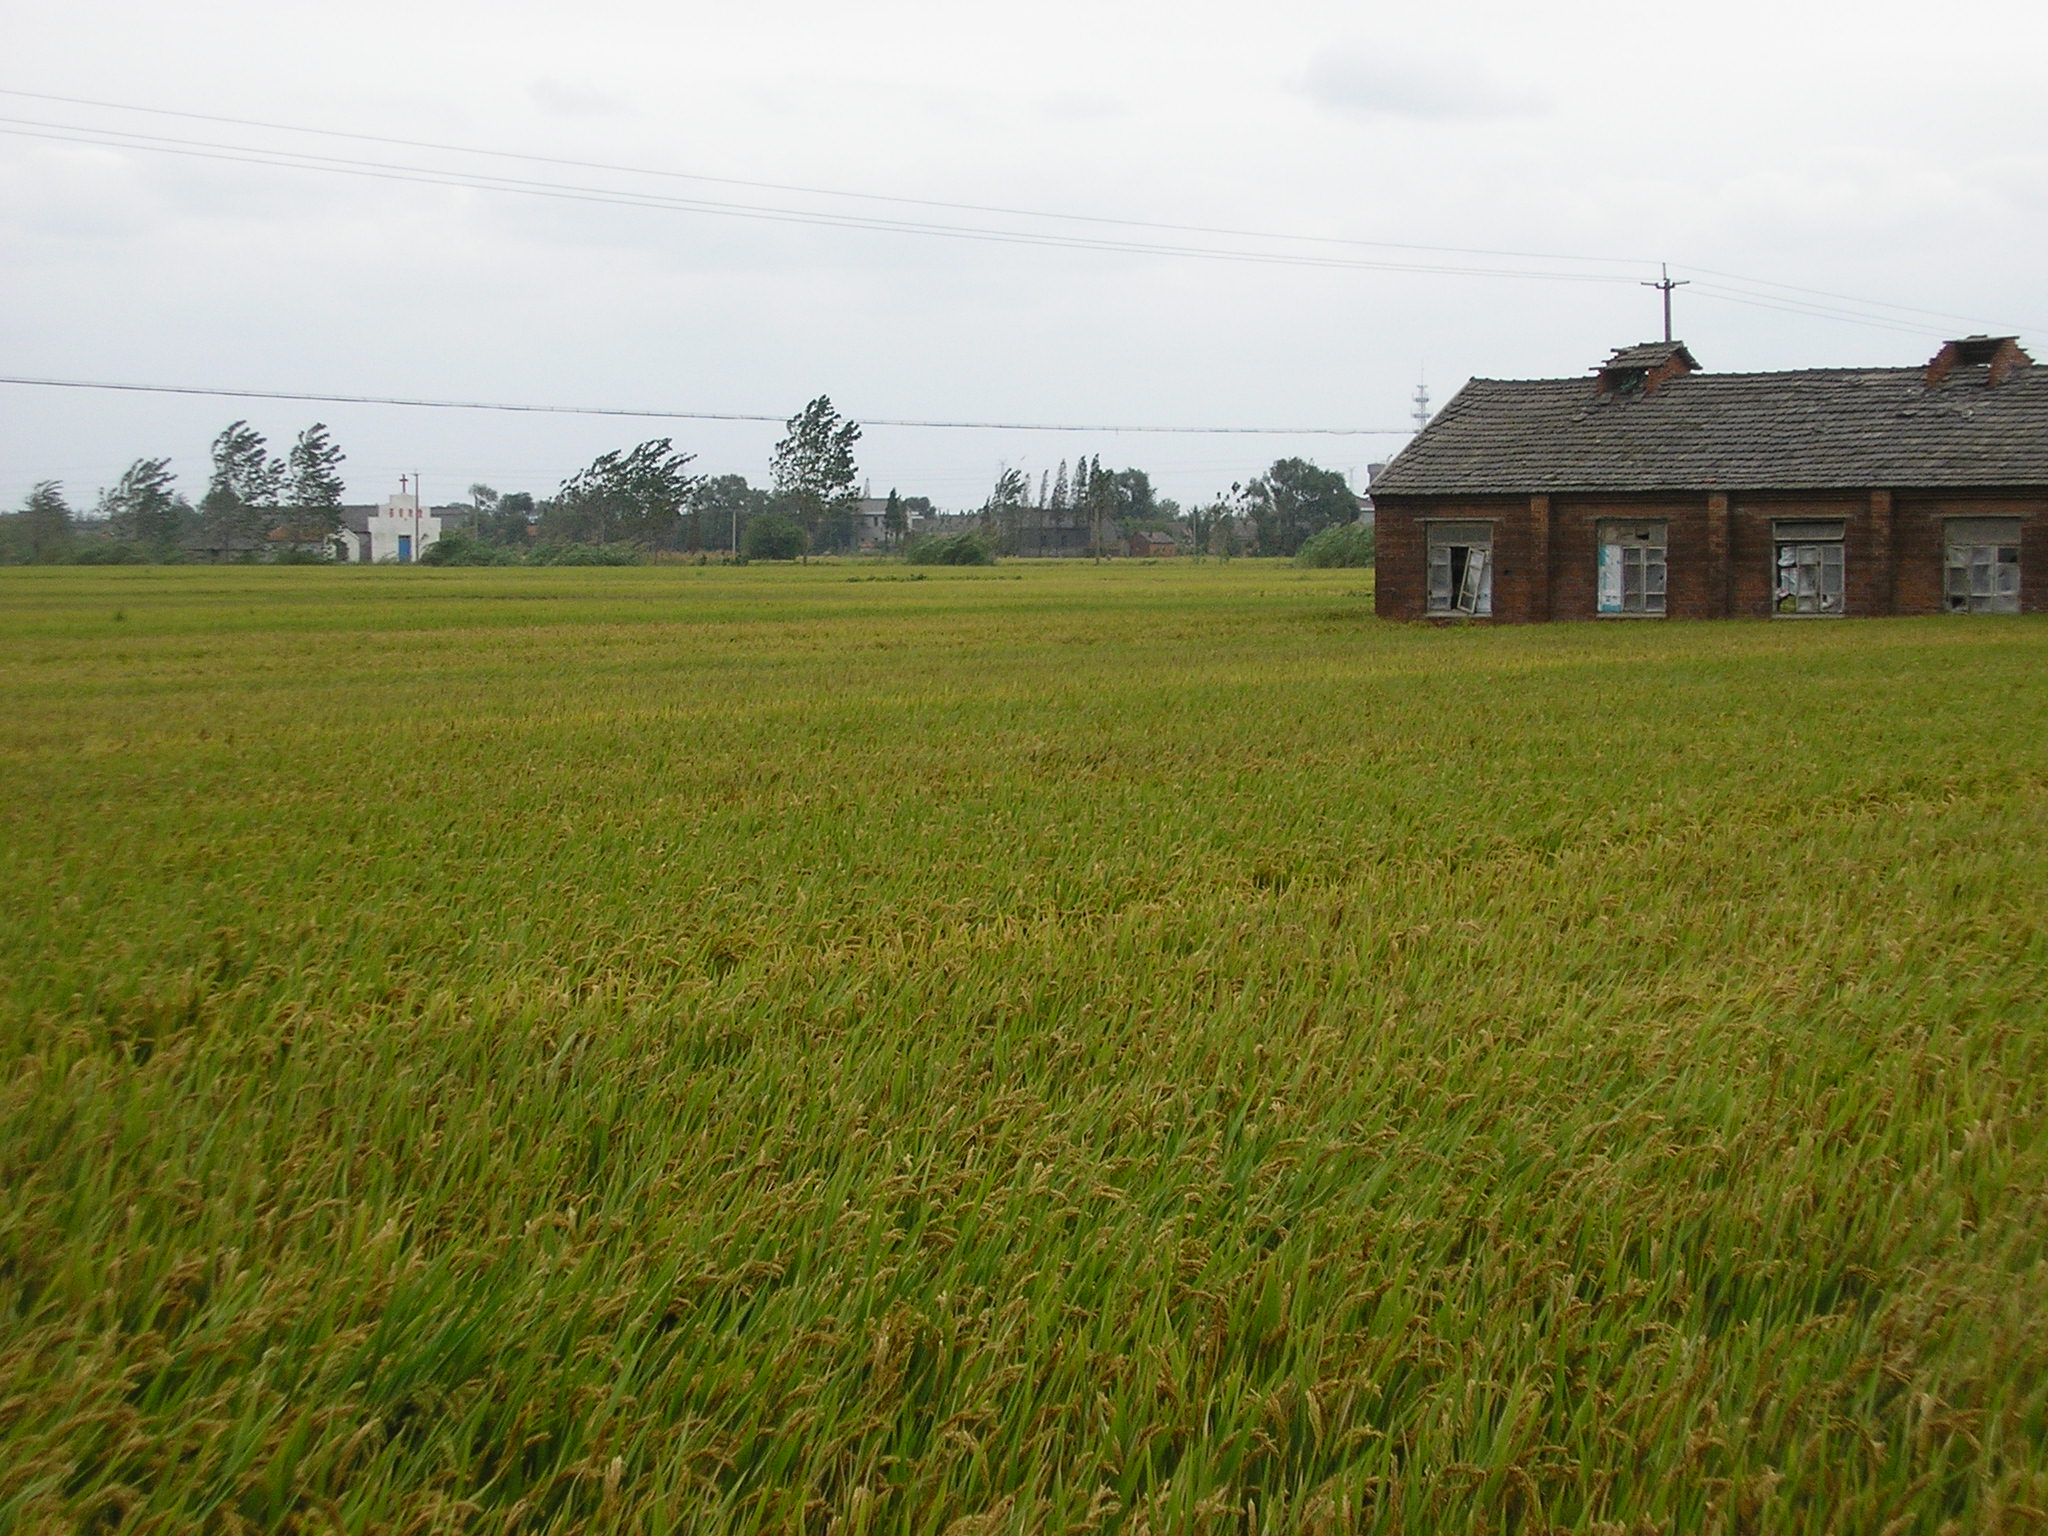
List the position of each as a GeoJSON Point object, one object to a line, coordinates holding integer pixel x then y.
{"type": "Point", "coordinates": [1665, 286]}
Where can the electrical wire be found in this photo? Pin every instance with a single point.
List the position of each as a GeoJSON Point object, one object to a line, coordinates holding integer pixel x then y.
{"type": "Point", "coordinates": [1715, 291]}
{"type": "Point", "coordinates": [1846, 298]}
{"type": "Point", "coordinates": [429, 176]}
{"type": "Point", "coordinates": [811, 191]}
{"type": "Point", "coordinates": [318, 398]}
{"type": "Point", "coordinates": [1762, 293]}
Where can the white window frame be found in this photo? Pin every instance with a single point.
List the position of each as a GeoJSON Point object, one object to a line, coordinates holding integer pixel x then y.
{"type": "Point", "coordinates": [1980, 565]}
{"type": "Point", "coordinates": [1465, 589]}
{"type": "Point", "coordinates": [1809, 568]}
{"type": "Point", "coordinates": [1632, 576]}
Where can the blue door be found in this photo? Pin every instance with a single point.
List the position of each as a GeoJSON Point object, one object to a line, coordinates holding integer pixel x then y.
{"type": "Point", "coordinates": [405, 549]}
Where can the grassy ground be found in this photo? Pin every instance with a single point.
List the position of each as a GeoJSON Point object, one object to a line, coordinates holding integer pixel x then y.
{"type": "Point", "coordinates": [1127, 1049]}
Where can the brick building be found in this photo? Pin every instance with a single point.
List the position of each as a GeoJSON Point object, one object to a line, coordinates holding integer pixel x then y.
{"type": "Point", "coordinates": [1654, 488]}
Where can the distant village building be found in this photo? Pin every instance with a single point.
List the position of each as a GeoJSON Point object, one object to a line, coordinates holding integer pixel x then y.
{"type": "Point", "coordinates": [1150, 546]}
{"type": "Point", "coordinates": [871, 522]}
{"type": "Point", "coordinates": [1654, 489]}
{"type": "Point", "coordinates": [942, 525]}
{"type": "Point", "coordinates": [1043, 533]}
{"type": "Point", "coordinates": [397, 530]}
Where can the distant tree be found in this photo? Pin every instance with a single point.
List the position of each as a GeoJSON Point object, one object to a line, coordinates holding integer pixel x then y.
{"type": "Point", "coordinates": [240, 505]}
{"type": "Point", "coordinates": [895, 521]}
{"type": "Point", "coordinates": [631, 498]}
{"type": "Point", "coordinates": [722, 506]}
{"type": "Point", "coordinates": [815, 474]}
{"type": "Point", "coordinates": [142, 508]}
{"type": "Point", "coordinates": [1011, 490]}
{"type": "Point", "coordinates": [918, 506]}
{"type": "Point", "coordinates": [1341, 544]}
{"type": "Point", "coordinates": [1096, 499]}
{"type": "Point", "coordinates": [314, 490]}
{"type": "Point", "coordinates": [459, 548]}
{"type": "Point", "coordinates": [1202, 520]}
{"type": "Point", "coordinates": [502, 521]}
{"type": "Point", "coordinates": [951, 549]}
{"type": "Point", "coordinates": [772, 536]}
{"type": "Point", "coordinates": [42, 533]}
{"type": "Point", "coordinates": [1003, 514]}
{"type": "Point", "coordinates": [1058, 502]}
{"type": "Point", "coordinates": [483, 503]}
{"type": "Point", "coordinates": [1295, 500]}
{"type": "Point", "coordinates": [1136, 505]}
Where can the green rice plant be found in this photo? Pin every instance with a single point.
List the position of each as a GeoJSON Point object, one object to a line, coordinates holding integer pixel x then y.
{"type": "Point", "coordinates": [1121, 1048]}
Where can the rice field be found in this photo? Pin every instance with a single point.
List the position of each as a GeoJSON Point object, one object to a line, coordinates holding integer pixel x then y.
{"type": "Point", "coordinates": [1042, 1049]}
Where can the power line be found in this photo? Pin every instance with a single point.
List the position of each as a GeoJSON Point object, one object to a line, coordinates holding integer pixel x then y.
{"type": "Point", "coordinates": [1847, 308]}
{"type": "Point", "coordinates": [317, 398]}
{"type": "Point", "coordinates": [1847, 298]}
{"type": "Point", "coordinates": [812, 191]}
{"type": "Point", "coordinates": [430, 176]}
{"type": "Point", "coordinates": [1791, 306]}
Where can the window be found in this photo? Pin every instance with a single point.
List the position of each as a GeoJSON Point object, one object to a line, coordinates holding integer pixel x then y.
{"type": "Point", "coordinates": [1983, 565]}
{"type": "Point", "coordinates": [1460, 568]}
{"type": "Point", "coordinates": [1632, 567]}
{"type": "Point", "coordinates": [1808, 570]}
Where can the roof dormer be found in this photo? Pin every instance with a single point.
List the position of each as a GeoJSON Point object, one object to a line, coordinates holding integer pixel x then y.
{"type": "Point", "coordinates": [1644, 368]}
{"type": "Point", "coordinates": [1999, 356]}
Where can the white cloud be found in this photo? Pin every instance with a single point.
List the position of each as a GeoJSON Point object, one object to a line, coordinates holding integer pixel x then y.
{"type": "Point", "coordinates": [563, 98]}
{"type": "Point", "coordinates": [1378, 80]}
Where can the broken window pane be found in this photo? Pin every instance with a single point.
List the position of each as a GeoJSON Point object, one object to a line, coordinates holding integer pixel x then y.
{"type": "Point", "coordinates": [1632, 567]}
{"type": "Point", "coordinates": [1460, 569]}
{"type": "Point", "coordinates": [1982, 568]}
{"type": "Point", "coordinates": [1809, 575]}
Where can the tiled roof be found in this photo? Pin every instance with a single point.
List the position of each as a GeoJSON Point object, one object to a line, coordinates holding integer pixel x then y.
{"type": "Point", "coordinates": [1827, 428]}
{"type": "Point", "coordinates": [1648, 354]}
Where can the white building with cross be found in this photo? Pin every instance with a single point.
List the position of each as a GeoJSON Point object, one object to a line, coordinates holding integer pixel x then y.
{"type": "Point", "coordinates": [398, 530]}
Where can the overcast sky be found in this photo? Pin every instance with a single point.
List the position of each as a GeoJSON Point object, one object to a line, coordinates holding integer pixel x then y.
{"type": "Point", "coordinates": [1891, 153]}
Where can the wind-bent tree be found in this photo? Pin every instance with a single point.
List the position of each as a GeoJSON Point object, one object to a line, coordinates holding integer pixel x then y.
{"type": "Point", "coordinates": [143, 509]}
{"type": "Point", "coordinates": [315, 488]}
{"type": "Point", "coordinates": [815, 475]}
{"type": "Point", "coordinates": [630, 498]}
{"type": "Point", "coordinates": [1095, 498]}
{"type": "Point", "coordinates": [1003, 514]}
{"type": "Point", "coordinates": [240, 505]}
{"type": "Point", "coordinates": [41, 534]}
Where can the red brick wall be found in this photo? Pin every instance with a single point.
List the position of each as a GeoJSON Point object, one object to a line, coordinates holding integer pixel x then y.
{"type": "Point", "coordinates": [1692, 591]}
{"type": "Point", "coordinates": [1920, 554]}
{"type": "Point", "coordinates": [1707, 578]}
{"type": "Point", "coordinates": [1398, 575]}
{"type": "Point", "coordinates": [1753, 551]}
{"type": "Point", "coordinates": [1400, 578]}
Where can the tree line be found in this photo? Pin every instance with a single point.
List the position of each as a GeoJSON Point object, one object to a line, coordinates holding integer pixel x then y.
{"type": "Point", "coordinates": [628, 503]}
{"type": "Point", "coordinates": [1276, 513]}
{"type": "Point", "coordinates": [254, 502]}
